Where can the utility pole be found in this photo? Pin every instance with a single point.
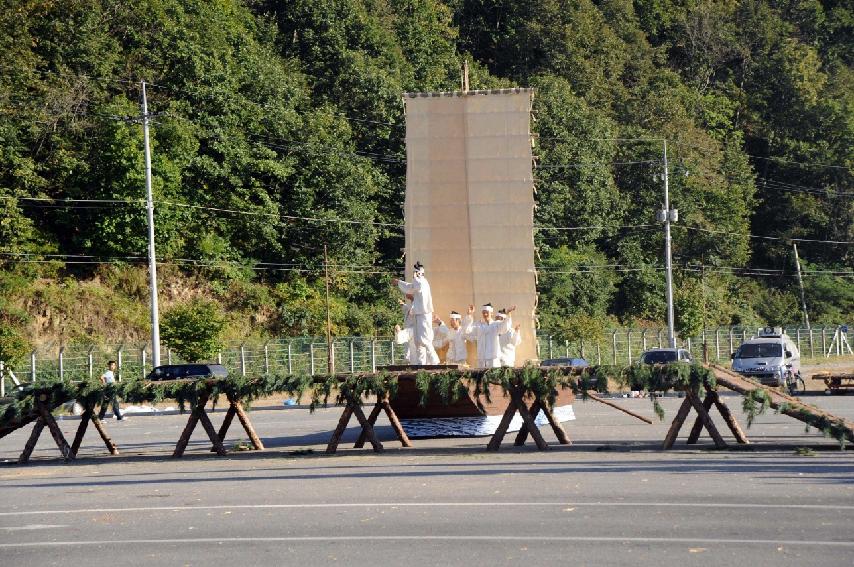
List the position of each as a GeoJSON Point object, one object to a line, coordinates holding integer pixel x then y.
{"type": "Point", "coordinates": [801, 285]}
{"type": "Point", "coordinates": [668, 215]}
{"type": "Point", "coordinates": [464, 78]}
{"type": "Point", "coordinates": [152, 256]}
{"type": "Point", "coordinates": [330, 354]}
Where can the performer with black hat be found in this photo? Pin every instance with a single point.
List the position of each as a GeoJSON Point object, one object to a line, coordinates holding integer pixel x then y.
{"type": "Point", "coordinates": [422, 310]}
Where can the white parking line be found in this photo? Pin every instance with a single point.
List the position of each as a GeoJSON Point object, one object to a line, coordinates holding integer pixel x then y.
{"type": "Point", "coordinates": [34, 527]}
{"type": "Point", "coordinates": [724, 505]}
{"type": "Point", "coordinates": [490, 538]}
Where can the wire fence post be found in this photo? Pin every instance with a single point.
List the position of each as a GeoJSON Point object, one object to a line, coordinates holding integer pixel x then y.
{"type": "Point", "coordinates": [219, 357]}
{"type": "Point", "coordinates": [614, 345]}
{"type": "Point", "coordinates": [119, 361]}
{"type": "Point", "coordinates": [550, 347]}
{"type": "Point", "coordinates": [731, 345]}
{"type": "Point", "coordinates": [266, 358]}
{"type": "Point", "coordinates": [581, 347]}
{"type": "Point", "coordinates": [566, 347]}
{"type": "Point", "coordinates": [33, 367]}
{"type": "Point", "coordinates": [392, 350]}
{"type": "Point", "coordinates": [717, 344]}
{"type": "Point", "coordinates": [823, 343]}
{"type": "Point", "coordinates": [169, 356]}
{"type": "Point", "coordinates": [243, 360]}
{"type": "Point", "coordinates": [90, 361]}
{"type": "Point", "coordinates": [629, 346]}
{"type": "Point", "coordinates": [2, 380]}
{"type": "Point", "coordinates": [352, 357]}
{"type": "Point", "coordinates": [373, 355]}
{"type": "Point", "coordinates": [598, 353]}
{"type": "Point", "coordinates": [659, 338]}
{"type": "Point", "coordinates": [290, 360]}
{"type": "Point", "coordinates": [643, 339]}
{"type": "Point", "coordinates": [311, 357]}
{"type": "Point", "coordinates": [62, 364]}
{"type": "Point", "coordinates": [812, 344]}
{"type": "Point", "coordinates": [798, 339]}
{"type": "Point", "coordinates": [142, 358]}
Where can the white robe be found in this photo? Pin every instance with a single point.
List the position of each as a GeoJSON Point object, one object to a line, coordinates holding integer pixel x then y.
{"type": "Point", "coordinates": [406, 335]}
{"type": "Point", "coordinates": [456, 341]}
{"type": "Point", "coordinates": [440, 336]}
{"type": "Point", "coordinates": [486, 337]}
{"type": "Point", "coordinates": [422, 309]}
{"type": "Point", "coordinates": [509, 341]}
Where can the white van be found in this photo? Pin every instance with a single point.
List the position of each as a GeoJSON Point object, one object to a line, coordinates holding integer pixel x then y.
{"type": "Point", "coordinates": [768, 357]}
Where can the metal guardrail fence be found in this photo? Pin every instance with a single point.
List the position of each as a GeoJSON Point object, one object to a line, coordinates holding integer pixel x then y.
{"type": "Point", "coordinates": [358, 354]}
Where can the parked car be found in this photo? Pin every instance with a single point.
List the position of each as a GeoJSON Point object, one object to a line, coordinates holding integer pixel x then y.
{"type": "Point", "coordinates": [187, 372]}
{"type": "Point", "coordinates": [576, 362]}
{"type": "Point", "coordinates": [770, 356]}
{"type": "Point", "coordinates": [665, 356]}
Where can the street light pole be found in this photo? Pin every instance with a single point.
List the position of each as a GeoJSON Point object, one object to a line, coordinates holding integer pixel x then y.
{"type": "Point", "coordinates": [152, 256]}
{"type": "Point", "coordinates": [667, 215]}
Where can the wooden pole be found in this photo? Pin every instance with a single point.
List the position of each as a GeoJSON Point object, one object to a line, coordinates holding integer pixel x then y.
{"type": "Point", "coordinates": [330, 355]}
{"type": "Point", "coordinates": [615, 406]}
{"type": "Point", "coordinates": [247, 425]}
{"type": "Point", "coordinates": [31, 442]}
{"type": "Point", "coordinates": [673, 432]}
{"type": "Point", "coordinates": [729, 419]}
{"type": "Point", "coordinates": [559, 431]}
{"type": "Point", "coordinates": [801, 285]}
{"type": "Point", "coordinates": [694, 436]}
{"type": "Point", "coordinates": [114, 450]}
{"type": "Point", "coordinates": [372, 419]}
{"type": "Point", "coordinates": [704, 416]}
{"type": "Point", "coordinates": [395, 424]}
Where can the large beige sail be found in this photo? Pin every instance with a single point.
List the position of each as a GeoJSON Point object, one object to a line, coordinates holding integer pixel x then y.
{"type": "Point", "coordinates": [469, 201]}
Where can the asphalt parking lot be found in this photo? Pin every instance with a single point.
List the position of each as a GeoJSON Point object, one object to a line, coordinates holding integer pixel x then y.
{"type": "Point", "coordinates": [612, 498]}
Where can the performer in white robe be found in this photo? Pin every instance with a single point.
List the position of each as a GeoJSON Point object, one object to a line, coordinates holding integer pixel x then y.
{"type": "Point", "coordinates": [422, 309]}
{"type": "Point", "coordinates": [454, 336]}
{"type": "Point", "coordinates": [406, 335]}
{"type": "Point", "coordinates": [440, 338]}
{"type": "Point", "coordinates": [485, 334]}
{"type": "Point", "coordinates": [508, 342]}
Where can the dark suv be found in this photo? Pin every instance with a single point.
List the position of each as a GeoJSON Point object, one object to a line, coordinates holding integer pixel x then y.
{"type": "Point", "coordinates": [187, 372]}
{"type": "Point", "coordinates": [665, 356]}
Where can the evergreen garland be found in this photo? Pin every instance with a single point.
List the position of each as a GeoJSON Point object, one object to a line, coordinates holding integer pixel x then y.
{"type": "Point", "coordinates": [449, 386]}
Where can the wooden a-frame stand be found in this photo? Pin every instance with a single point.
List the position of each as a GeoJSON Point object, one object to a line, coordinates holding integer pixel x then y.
{"type": "Point", "coordinates": [517, 403]}
{"type": "Point", "coordinates": [199, 414]}
{"type": "Point", "coordinates": [692, 400]}
{"type": "Point", "coordinates": [68, 453]}
{"type": "Point", "coordinates": [351, 408]}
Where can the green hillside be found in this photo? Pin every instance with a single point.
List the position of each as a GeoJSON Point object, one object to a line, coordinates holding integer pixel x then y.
{"type": "Point", "coordinates": [280, 126]}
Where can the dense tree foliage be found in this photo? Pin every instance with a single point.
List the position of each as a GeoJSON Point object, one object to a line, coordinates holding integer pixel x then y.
{"type": "Point", "coordinates": [279, 129]}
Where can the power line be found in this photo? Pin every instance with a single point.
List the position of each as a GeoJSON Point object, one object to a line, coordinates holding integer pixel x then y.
{"type": "Point", "coordinates": [281, 216]}
{"type": "Point", "coordinates": [305, 147]}
{"type": "Point", "coordinates": [756, 236]}
{"type": "Point", "coordinates": [768, 158]}
{"type": "Point", "coordinates": [594, 164]}
{"type": "Point", "coordinates": [592, 227]}
{"type": "Point", "coordinates": [782, 186]}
